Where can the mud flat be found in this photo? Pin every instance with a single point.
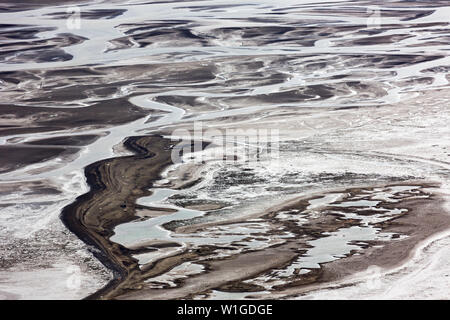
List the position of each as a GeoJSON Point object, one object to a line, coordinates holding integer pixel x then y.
{"type": "Point", "coordinates": [423, 220]}
{"type": "Point", "coordinates": [320, 250]}
{"type": "Point", "coordinates": [89, 117]}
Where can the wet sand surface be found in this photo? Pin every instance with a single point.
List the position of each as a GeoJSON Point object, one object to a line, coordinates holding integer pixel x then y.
{"type": "Point", "coordinates": [223, 150]}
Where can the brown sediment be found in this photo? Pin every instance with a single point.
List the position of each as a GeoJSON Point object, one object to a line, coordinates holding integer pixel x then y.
{"type": "Point", "coordinates": [423, 219]}
{"type": "Point", "coordinates": [154, 244]}
{"type": "Point", "coordinates": [222, 272]}
{"type": "Point", "coordinates": [143, 211]}
{"type": "Point", "coordinates": [116, 184]}
{"type": "Point", "coordinates": [424, 216]}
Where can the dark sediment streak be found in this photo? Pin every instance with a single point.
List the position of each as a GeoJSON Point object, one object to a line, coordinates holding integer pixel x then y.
{"type": "Point", "coordinates": [26, 119]}
{"type": "Point", "coordinates": [15, 157]}
{"type": "Point", "coordinates": [116, 184]}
